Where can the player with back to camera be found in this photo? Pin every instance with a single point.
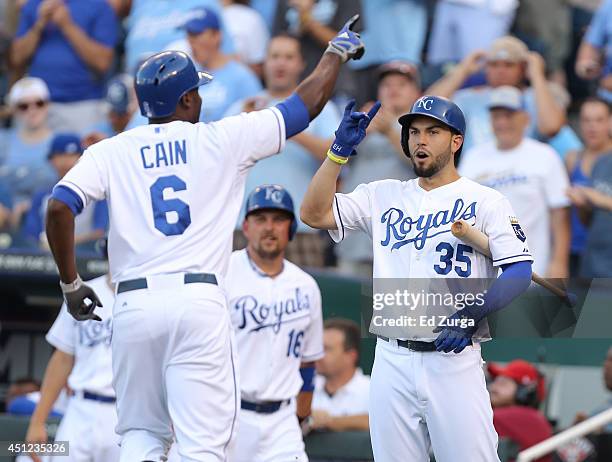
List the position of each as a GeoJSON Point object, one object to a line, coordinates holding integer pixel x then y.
{"type": "Point", "coordinates": [427, 391]}
{"type": "Point", "coordinates": [174, 189]}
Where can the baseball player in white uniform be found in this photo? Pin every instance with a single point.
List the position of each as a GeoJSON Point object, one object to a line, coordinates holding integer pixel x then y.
{"type": "Point", "coordinates": [174, 189]}
{"type": "Point", "coordinates": [427, 391]}
{"type": "Point", "coordinates": [83, 360]}
{"type": "Point", "coordinates": [275, 308]}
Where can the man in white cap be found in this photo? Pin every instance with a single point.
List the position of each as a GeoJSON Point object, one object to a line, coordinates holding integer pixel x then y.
{"type": "Point", "coordinates": [507, 62]}
{"type": "Point", "coordinates": [23, 148]}
{"type": "Point", "coordinates": [531, 175]}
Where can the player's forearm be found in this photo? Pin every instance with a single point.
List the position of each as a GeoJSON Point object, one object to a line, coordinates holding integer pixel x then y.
{"type": "Point", "coordinates": [97, 56]}
{"type": "Point", "coordinates": [317, 88]}
{"type": "Point", "coordinates": [59, 368]}
{"type": "Point", "coordinates": [304, 402]}
{"type": "Point", "coordinates": [346, 423]}
{"type": "Point", "coordinates": [60, 234]}
{"type": "Point", "coordinates": [514, 280]}
{"type": "Point", "coordinates": [550, 115]}
{"type": "Point", "coordinates": [316, 210]}
{"type": "Point", "coordinates": [315, 145]}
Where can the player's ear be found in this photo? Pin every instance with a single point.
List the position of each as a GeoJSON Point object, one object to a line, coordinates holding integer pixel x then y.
{"type": "Point", "coordinates": [245, 227]}
{"type": "Point", "coordinates": [456, 142]}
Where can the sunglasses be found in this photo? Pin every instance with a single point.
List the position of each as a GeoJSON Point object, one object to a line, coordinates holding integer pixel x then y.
{"type": "Point", "coordinates": [25, 106]}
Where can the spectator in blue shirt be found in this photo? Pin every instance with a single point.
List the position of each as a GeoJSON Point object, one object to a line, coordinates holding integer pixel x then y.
{"type": "Point", "coordinates": [90, 225]}
{"type": "Point", "coordinates": [69, 44]}
{"type": "Point", "coordinates": [595, 54]}
{"type": "Point", "coordinates": [23, 148]}
{"type": "Point", "coordinates": [595, 132]}
{"type": "Point", "coordinates": [303, 153]}
{"type": "Point", "coordinates": [121, 105]}
{"type": "Point", "coordinates": [155, 24]}
{"type": "Point", "coordinates": [232, 81]}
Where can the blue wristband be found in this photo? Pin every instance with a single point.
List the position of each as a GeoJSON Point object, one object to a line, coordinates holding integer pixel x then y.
{"type": "Point", "coordinates": [307, 374]}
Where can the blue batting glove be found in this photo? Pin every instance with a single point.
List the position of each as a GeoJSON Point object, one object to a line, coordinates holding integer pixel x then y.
{"type": "Point", "coordinates": [454, 337]}
{"type": "Point", "coordinates": [347, 44]}
{"type": "Point", "coordinates": [352, 129]}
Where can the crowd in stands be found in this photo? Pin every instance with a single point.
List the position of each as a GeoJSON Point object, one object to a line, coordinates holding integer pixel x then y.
{"type": "Point", "coordinates": [533, 77]}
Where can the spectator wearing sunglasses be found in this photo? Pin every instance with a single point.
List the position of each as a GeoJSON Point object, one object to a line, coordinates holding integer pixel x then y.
{"type": "Point", "coordinates": [24, 147]}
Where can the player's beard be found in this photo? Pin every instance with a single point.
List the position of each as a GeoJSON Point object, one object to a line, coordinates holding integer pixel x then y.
{"type": "Point", "coordinates": [269, 253]}
{"type": "Point", "coordinates": [438, 164]}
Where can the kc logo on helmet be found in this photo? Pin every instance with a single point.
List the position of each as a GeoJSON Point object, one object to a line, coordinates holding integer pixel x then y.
{"type": "Point", "coordinates": [274, 194]}
{"type": "Point", "coordinates": [425, 103]}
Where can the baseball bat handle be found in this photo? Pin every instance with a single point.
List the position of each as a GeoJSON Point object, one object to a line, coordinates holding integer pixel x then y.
{"type": "Point", "coordinates": [479, 241]}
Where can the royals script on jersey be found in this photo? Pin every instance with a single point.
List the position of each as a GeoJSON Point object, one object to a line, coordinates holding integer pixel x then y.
{"type": "Point", "coordinates": [411, 228]}
{"type": "Point", "coordinates": [174, 190]}
{"type": "Point", "coordinates": [278, 324]}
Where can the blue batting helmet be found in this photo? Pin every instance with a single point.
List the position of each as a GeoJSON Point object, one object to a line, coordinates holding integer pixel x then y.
{"type": "Point", "coordinates": [271, 196]}
{"type": "Point", "coordinates": [163, 79]}
{"type": "Point", "coordinates": [438, 108]}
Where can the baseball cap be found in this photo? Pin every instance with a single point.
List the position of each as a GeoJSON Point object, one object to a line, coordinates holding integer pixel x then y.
{"type": "Point", "coordinates": [508, 48]}
{"type": "Point", "coordinates": [399, 67]}
{"type": "Point", "coordinates": [28, 88]}
{"type": "Point", "coordinates": [201, 19]}
{"type": "Point", "coordinates": [506, 97]}
{"type": "Point", "coordinates": [522, 372]}
{"type": "Point", "coordinates": [118, 94]}
{"type": "Point", "coordinates": [63, 143]}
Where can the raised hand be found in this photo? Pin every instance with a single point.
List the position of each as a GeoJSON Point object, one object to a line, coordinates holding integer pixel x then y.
{"type": "Point", "coordinates": [352, 129]}
{"type": "Point", "coordinates": [347, 44]}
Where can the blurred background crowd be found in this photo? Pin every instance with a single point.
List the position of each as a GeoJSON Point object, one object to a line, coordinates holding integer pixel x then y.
{"type": "Point", "coordinates": [534, 78]}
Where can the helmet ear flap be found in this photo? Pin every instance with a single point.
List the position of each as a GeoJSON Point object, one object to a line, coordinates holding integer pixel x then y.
{"type": "Point", "coordinates": [404, 140]}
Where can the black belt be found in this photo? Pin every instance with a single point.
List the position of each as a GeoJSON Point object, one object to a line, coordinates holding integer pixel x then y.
{"type": "Point", "coordinates": [263, 408]}
{"type": "Point", "coordinates": [190, 278]}
{"type": "Point", "coordinates": [93, 396]}
{"type": "Point", "coordinates": [414, 345]}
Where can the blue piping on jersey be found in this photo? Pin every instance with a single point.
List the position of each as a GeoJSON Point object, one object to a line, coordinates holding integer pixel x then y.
{"type": "Point", "coordinates": [69, 197]}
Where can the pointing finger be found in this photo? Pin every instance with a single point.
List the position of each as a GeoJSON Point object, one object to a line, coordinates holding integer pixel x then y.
{"type": "Point", "coordinates": [374, 110]}
{"type": "Point", "coordinates": [351, 22]}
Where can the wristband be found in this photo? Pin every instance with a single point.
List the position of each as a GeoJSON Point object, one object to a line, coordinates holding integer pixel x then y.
{"type": "Point", "coordinates": [72, 286]}
{"type": "Point", "coordinates": [337, 159]}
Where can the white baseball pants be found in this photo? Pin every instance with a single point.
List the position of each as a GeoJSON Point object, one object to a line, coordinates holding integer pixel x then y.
{"type": "Point", "coordinates": [174, 371]}
{"type": "Point", "coordinates": [89, 427]}
{"type": "Point", "coordinates": [430, 400]}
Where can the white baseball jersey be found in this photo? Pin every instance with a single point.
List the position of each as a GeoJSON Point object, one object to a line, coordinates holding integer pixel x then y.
{"type": "Point", "coordinates": [175, 190]}
{"type": "Point", "coordinates": [89, 342]}
{"type": "Point", "coordinates": [534, 180]}
{"type": "Point", "coordinates": [410, 228]}
{"type": "Point", "coordinates": [278, 324]}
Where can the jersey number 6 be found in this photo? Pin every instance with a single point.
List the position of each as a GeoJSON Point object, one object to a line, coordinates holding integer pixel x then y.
{"type": "Point", "coordinates": [447, 251]}
{"type": "Point", "coordinates": [163, 209]}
